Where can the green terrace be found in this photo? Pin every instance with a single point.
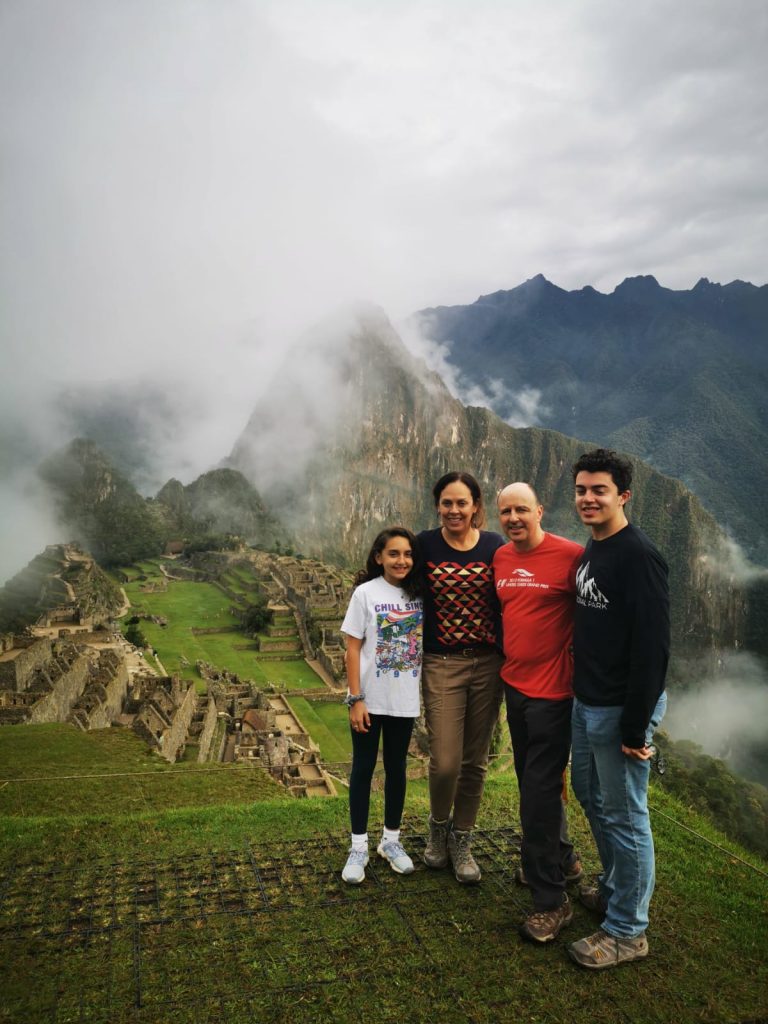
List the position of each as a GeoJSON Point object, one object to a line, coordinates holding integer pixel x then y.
{"type": "Point", "coordinates": [202, 625]}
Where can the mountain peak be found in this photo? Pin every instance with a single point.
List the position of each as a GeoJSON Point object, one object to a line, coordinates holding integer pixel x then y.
{"type": "Point", "coordinates": [536, 287]}
{"type": "Point", "coordinates": [641, 287]}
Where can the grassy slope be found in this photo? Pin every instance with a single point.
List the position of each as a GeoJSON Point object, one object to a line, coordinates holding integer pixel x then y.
{"type": "Point", "coordinates": [309, 947]}
{"type": "Point", "coordinates": [297, 952]}
{"type": "Point", "coordinates": [71, 772]}
{"type": "Point", "coordinates": [328, 725]}
{"type": "Point", "coordinates": [203, 606]}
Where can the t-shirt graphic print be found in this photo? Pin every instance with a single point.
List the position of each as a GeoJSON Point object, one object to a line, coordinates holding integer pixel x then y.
{"type": "Point", "coordinates": [390, 625]}
{"type": "Point", "coordinates": [398, 641]}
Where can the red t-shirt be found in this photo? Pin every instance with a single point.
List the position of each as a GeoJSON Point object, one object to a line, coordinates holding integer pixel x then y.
{"type": "Point", "coordinates": [537, 593]}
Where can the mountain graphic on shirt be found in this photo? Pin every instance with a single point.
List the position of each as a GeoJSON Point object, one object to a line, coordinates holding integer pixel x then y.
{"type": "Point", "coordinates": [588, 590]}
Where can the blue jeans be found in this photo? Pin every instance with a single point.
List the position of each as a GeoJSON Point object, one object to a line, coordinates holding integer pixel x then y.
{"type": "Point", "coordinates": [613, 790]}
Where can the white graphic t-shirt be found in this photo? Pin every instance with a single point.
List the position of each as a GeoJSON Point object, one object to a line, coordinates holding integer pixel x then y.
{"type": "Point", "coordinates": [390, 625]}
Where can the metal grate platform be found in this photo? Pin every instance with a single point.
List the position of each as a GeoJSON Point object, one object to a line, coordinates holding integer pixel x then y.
{"type": "Point", "coordinates": [267, 933]}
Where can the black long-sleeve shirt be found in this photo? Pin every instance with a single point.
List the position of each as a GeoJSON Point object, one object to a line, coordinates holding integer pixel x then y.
{"type": "Point", "coordinates": [621, 629]}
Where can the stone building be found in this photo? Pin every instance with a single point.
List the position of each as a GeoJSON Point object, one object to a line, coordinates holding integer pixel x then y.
{"type": "Point", "coordinates": [163, 710]}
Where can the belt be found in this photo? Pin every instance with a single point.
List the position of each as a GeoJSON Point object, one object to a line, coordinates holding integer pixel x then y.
{"type": "Point", "coordinates": [465, 652]}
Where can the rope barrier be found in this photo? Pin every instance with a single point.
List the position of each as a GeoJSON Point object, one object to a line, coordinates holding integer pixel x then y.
{"type": "Point", "coordinates": [328, 766]}
{"type": "Point", "coordinates": [709, 842]}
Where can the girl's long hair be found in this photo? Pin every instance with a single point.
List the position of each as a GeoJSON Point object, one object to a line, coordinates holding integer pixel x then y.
{"type": "Point", "coordinates": [413, 584]}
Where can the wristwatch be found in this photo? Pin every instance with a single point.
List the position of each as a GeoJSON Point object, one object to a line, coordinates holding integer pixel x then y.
{"type": "Point", "coordinates": [353, 698]}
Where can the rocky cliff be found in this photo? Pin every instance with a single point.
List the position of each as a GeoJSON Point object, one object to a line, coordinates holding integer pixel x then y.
{"type": "Point", "coordinates": [61, 577]}
{"type": "Point", "coordinates": [355, 431]}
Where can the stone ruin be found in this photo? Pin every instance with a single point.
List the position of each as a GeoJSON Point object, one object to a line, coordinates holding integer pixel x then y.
{"type": "Point", "coordinates": [162, 710]}
{"type": "Point", "coordinates": [102, 700]}
{"type": "Point", "coordinates": [47, 680]}
{"type": "Point", "coordinates": [60, 680]}
{"type": "Point", "coordinates": [264, 730]}
{"type": "Point", "coordinates": [319, 593]}
{"type": "Point", "coordinates": [40, 679]}
{"type": "Point", "coordinates": [61, 585]}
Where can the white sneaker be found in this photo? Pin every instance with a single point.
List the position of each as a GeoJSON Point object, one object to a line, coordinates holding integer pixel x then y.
{"type": "Point", "coordinates": [398, 859]}
{"type": "Point", "coordinates": [354, 869]}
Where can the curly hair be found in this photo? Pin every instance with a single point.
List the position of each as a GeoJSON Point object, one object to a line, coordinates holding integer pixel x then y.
{"type": "Point", "coordinates": [604, 460]}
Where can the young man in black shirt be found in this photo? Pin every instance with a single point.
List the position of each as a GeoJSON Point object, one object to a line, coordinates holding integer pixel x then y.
{"type": "Point", "coordinates": [621, 650]}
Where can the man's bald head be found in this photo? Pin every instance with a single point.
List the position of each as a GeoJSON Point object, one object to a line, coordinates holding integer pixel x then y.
{"type": "Point", "coordinates": [519, 490]}
{"type": "Point", "coordinates": [520, 515]}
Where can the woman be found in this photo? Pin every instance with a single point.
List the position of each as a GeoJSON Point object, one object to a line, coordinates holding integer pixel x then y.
{"type": "Point", "coordinates": [460, 673]}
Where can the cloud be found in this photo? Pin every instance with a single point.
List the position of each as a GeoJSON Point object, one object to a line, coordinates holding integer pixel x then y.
{"type": "Point", "coordinates": [187, 185]}
{"type": "Point", "coordinates": [725, 712]}
{"type": "Point", "coordinates": [731, 563]}
{"type": "Point", "coordinates": [520, 407]}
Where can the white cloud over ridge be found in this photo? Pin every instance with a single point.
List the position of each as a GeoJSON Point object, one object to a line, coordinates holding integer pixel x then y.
{"type": "Point", "coordinates": [185, 185]}
{"type": "Point", "coordinates": [520, 407]}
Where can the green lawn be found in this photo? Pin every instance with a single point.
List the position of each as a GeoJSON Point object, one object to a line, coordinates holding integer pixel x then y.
{"type": "Point", "coordinates": [68, 772]}
{"type": "Point", "coordinates": [237, 912]}
{"type": "Point", "coordinates": [187, 604]}
{"type": "Point", "coordinates": [328, 725]}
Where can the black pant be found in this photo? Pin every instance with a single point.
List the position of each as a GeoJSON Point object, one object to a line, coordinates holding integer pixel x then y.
{"type": "Point", "coordinates": [541, 741]}
{"type": "Point", "coordinates": [365, 749]}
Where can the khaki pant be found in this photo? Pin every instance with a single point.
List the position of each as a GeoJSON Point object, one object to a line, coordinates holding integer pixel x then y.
{"type": "Point", "coordinates": [462, 696]}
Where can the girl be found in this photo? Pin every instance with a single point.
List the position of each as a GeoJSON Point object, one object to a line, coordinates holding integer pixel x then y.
{"type": "Point", "coordinates": [383, 634]}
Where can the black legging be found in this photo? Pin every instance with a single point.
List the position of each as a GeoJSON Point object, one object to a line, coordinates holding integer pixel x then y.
{"type": "Point", "coordinates": [365, 749]}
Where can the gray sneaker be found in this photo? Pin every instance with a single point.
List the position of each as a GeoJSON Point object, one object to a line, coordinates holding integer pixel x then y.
{"type": "Point", "coordinates": [460, 855]}
{"type": "Point", "coordinates": [398, 859]}
{"type": "Point", "coordinates": [545, 925]}
{"type": "Point", "coordinates": [436, 852]}
{"type": "Point", "coordinates": [602, 950]}
{"type": "Point", "coordinates": [354, 869]}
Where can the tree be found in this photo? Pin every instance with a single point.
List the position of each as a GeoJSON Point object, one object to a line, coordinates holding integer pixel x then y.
{"type": "Point", "coordinates": [135, 636]}
{"type": "Point", "coordinates": [257, 615]}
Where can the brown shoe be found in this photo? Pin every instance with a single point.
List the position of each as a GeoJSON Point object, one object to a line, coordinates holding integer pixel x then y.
{"type": "Point", "coordinates": [436, 851]}
{"type": "Point", "coordinates": [572, 874]}
{"type": "Point", "coordinates": [602, 950]}
{"type": "Point", "coordinates": [545, 925]}
{"type": "Point", "coordinates": [465, 867]}
{"type": "Point", "coordinates": [592, 898]}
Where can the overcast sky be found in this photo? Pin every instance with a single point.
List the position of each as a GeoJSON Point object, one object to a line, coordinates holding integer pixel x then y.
{"type": "Point", "coordinates": [186, 182]}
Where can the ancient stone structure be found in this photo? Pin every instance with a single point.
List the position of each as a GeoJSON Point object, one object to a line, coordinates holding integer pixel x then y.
{"type": "Point", "coordinates": [207, 719]}
{"type": "Point", "coordinates": [316, 589]}
{"type": "Point", "coordinates": [164, 708]}
{"type": "Point", "coordinates": [103, 698]}
{"type": "Point", "coordinates": [41, 681]}
{"type": "Point", "coordinates": [47, 680]}
{"type": "Point", "coordinates": [319, 593]}
{"type": "Point", "coordinates": [265, 730]}
{"type": "Point", "coordinates": [61, 585]}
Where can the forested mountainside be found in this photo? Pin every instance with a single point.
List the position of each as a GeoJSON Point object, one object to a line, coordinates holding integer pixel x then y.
{"type": "Point", "coordinates": [678, 378]}
{"type": "Point", "coordinates": [102, 509]}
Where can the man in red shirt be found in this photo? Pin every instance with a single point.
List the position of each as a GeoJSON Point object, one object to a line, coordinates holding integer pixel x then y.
{"type": "Point", "coordinates": [535, 577]}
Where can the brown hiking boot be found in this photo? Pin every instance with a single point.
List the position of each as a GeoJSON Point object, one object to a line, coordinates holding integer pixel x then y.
{"type": "Point", "coordinates": [460, 855]}
{"type": "Point", "coordinates": [436, 851]}
{"type": "Point", "coordinates": [592, 898]}
{"type": "Point", "coordinates": [545, 925]}
{"type": "Point", "coordinates": [572, 874]}
{"type": "Point", "coordinates": [602, 950]}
